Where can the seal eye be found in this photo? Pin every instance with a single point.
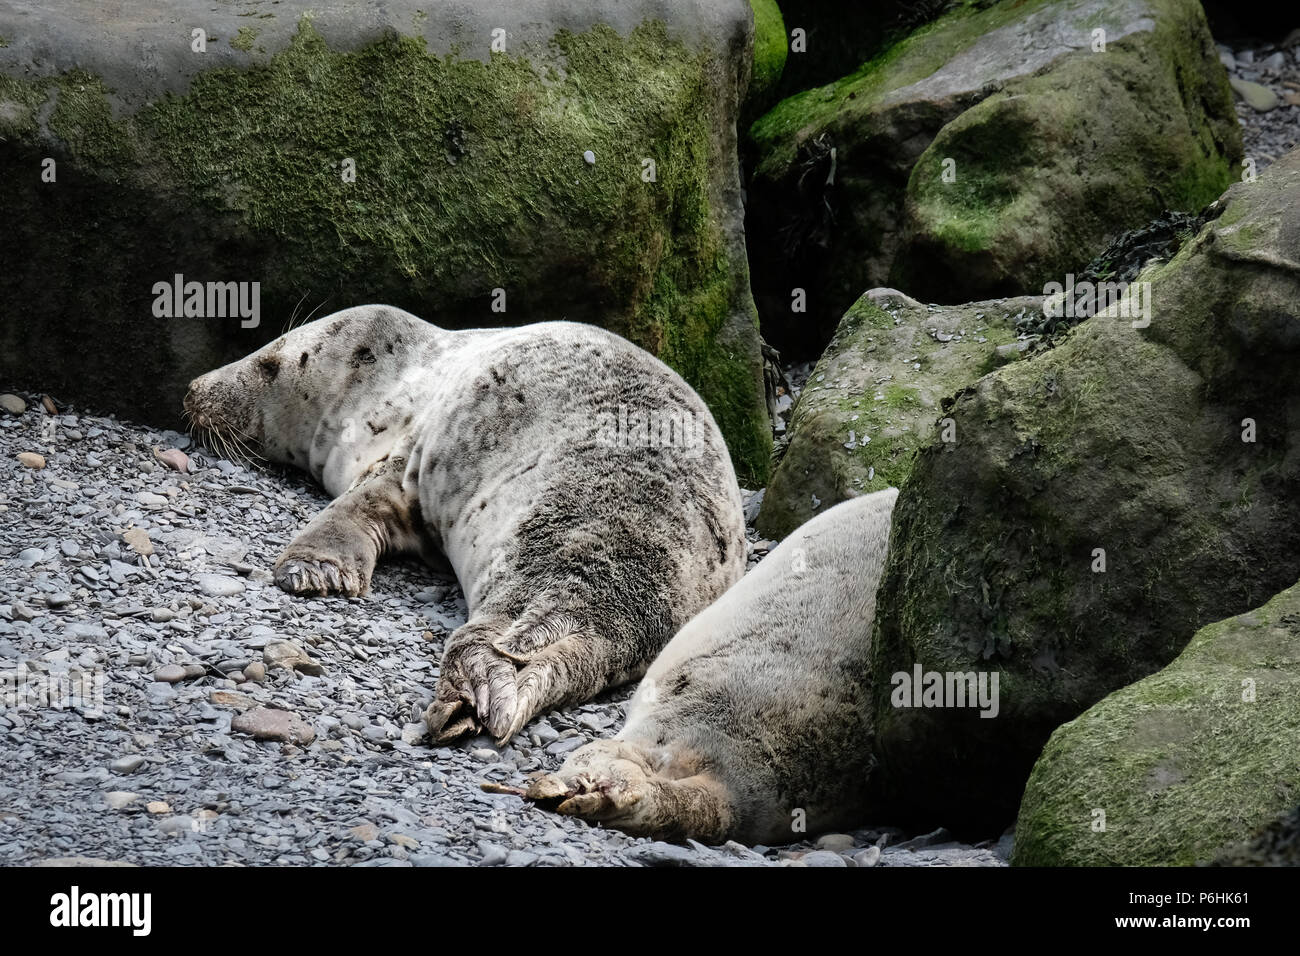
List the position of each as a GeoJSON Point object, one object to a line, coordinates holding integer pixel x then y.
{"type": "Point", "coordinates": [269, 367]}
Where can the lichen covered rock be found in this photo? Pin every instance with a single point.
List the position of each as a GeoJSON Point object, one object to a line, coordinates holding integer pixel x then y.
{"type": "Point", "coordinates": [1182, 766]}
{"type": "Point", "coordinates": [878, 394]}
{"type": "Point", "coordinates": [987, 153]}
{"type": "Point", "coordinates": [1103, 501]}
{"type": "Point", "coordinates": [509, 163]}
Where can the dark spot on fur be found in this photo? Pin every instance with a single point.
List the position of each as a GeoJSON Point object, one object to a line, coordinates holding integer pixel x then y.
{"type": "Point", "coordinates": [409, 419]}
{"type": "Point", "coordinates": [681, 683]}
{"type": "Point", "coordinates": [376, 429]}
{"type": "Point", "coordinates": [302, 362]}
{"type": "Point", "coordinates": [482, 504]}
{"type": "Point", "coordinates": [498, 377]}
{"type": "Point", "coordinates": [388, 346]}
{"type": "Point", "coordinates": [290, 455]}
{"type": "Point", "coordinates": [519, 397]}
{"type": "Point", "coordinates": [269, 367]}
{"type": "Point", "coordinates": [317, 348]}
{"type": "Point", "coordinates": [362, 355]}
{"type": "Point", "coordinates": [306, 396]}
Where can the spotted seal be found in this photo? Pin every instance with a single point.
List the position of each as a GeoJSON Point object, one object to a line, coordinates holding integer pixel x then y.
{"type": "Point", "coordinates": [754, 722]}
{"type": "Point", "coordinates": [578, 487]}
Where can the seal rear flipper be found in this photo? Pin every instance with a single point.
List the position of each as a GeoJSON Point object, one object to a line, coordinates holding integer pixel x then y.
{"type": "Point", "coordinates": [612, 782]}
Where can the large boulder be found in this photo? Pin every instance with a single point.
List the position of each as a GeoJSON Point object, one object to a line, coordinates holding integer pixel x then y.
{"type": "Point", "coordinates": [1181, 767]}
{"type": "Point", "coordinates": [482, 163]}
{"type": "Point", "coordinates": [1102, 502]}
{"type": "Point", "coordinates": [876, 396]}
{"type": "Point", "coordinates": [986, 154]}
{"type": "Point", "coordinates": [838, 36]}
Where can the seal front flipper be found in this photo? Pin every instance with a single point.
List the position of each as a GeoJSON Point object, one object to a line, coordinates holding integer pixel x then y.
{"type": "Point", "coordinates": [337, 552]}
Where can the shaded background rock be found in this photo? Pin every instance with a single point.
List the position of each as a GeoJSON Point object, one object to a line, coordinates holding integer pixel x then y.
{"type": "Point", "coordinates": [1122, 439]}
{"type": "Point", "coordinates": [470, 177]}
{"type": "Point", "coordinates": [1053, 147]}
{"type": "Point", "coordinates": [876, 395]}
{"type": "Point", "coordinates": [1185, 763]}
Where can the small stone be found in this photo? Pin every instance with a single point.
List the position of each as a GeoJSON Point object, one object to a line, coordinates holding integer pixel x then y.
{"type": "Point", "coordinates": [151, 500]}
{"type": "Point", "coordinates": [822, 858]}
{"type": "Point", "coordinates": [12, 404]}
{"type": "Point", "coordinates": [868, 857]}
{"type": "Point", "coordinates": [158, 806]}
{"type": "Point", "coordinates": [1257, 96]}
{"type": "Point", "coordinates": [835, 842]}
{"type": "Point", "coordinates": [137, 539]}
{"type": "Point", "coordinates": [117, 799]}
{"type": "Point", "coordinates": [589, 157]}
{"type": "Point", "coordinates": [31, 460]}
{"type": "Point", "coordinates": [170, 674]}
{"type": "Point", "coordinates": [365, 832]}
{"type": "Point", "coordinates": [125, 765]}
{"type": "Point", "coordinates": [290, 656]}
{"type": "Point", "coordinates": [493, 855]}
{"type": "Point", "coordinates": [940, 835]}
{"type": "Point", "coordinates": [412, 734]}
{"type": "Point", "coordinates": [174, 459]}
{"type": "Point", "coordinates": [263, 723]}
{"type": "Point", "coordinates": [255, 672]}
{"type": "Point", "coordinates": [228, 698]}
{"type": "Point", "coordinates": [174, 826]}
{"type": "Point", "coordinates": [216, 585]}
{"type": "Point", "coordinates": [404, 841]}
{"type": "Point", "coordinates": [61, 599]}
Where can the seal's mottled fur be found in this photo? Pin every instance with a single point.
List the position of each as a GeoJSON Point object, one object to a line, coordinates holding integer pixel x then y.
{"type": "Point", "coordinates": [754, 723]}
{"type": "Point", "coordinates": [582, 541]}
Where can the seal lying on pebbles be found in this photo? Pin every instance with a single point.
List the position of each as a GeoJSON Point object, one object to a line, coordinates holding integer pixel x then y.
{"type": "Point", "coordinates": [757, 716]}
{"type": "Point", "coordinates": [578, 486]}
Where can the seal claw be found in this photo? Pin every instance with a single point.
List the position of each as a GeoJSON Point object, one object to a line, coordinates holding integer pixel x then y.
{"type": "Point", "coordinates": [316, 577]}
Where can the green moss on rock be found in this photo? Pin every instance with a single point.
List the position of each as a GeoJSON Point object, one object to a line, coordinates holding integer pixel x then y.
{"type": "Point", "coordinates": [875, 397]}
{"type": "Point", "coordinates": [999, 228]}
{"type": "Point", "coordinates": [770, 47]}
{"type": "Point", "coordinates": [1121, 442]}
{"type": "Point", "coordinates": [469, 176]}
{"type": "Point", "coordinates": [1184, 763]}
{"type": "Point", "coordinates": [985, 154]}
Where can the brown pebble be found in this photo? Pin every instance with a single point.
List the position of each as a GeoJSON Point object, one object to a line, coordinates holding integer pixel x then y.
{"type": "Point", "coordinates": [263, 723]}
{"type": "Point", "coordinates": [31, 460]}
{"type": "Point", "coordinates": [365, 832]}
{"type": "Point", "coordinates": [175, 459]}
{"type": "Point", "coordinates": [138, 540]}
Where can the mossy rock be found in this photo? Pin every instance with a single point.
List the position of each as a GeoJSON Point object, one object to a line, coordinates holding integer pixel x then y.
{"type": "Point", "coordinates": [770, 50]}
{"type": "Point", "coordinates": [1169, 451]}
{"type": "Point", "coordinates": [986, 154]}
{"type": "Point", "coordinates": [838, 36]}
{"type": "Point", "coordinates": [877, 395]}
{"type": "Point", "coordinates": [1184, 764]}
{"type": "Point", "coordinates": [471, 183]}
